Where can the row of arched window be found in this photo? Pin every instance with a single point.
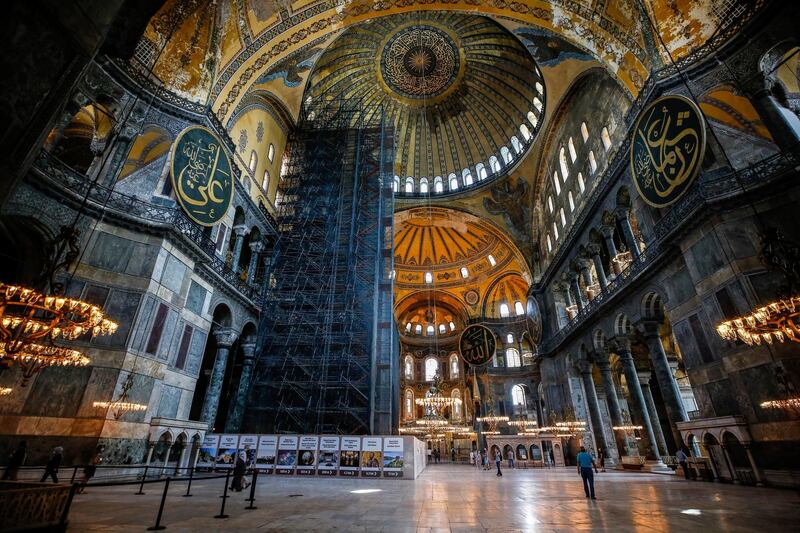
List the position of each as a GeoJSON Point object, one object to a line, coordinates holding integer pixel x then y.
{"type": "Point", "coordinates": [558, 217]}
{"type": "Point", "coordinates": [505, 312]}
{"type": "Point", "coordinates": [431, 367]}
{"type": "Point", "coordinates": [253, 164]}
{"type": "Point", "coordinates": [429, 330]}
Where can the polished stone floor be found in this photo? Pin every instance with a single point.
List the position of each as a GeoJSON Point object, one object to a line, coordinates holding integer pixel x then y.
{"type": "Point", "coordinates": [451, 498]}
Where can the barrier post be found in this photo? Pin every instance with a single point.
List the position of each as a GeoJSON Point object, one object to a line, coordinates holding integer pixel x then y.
{"type": "Point", "coordinates": [74, 474]}
{"type": "Point", "coordinates": [158, 525]}
{"type": "Point", "coordinates": [252, 497]}
{"type": "Point", "coordinates": [144, 477]}
{"type": "Point", "coordinates": [224, 496]}
{"type": "Point", "coordinates": [189, 485]}
{"type": "Point", "coordinates": [65, 513]}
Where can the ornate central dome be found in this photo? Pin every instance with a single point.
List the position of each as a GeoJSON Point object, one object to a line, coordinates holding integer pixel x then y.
{"type": "Point", "coordinates": [420, 62]}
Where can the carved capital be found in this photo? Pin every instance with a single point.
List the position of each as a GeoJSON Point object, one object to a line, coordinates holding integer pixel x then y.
{"type": "Point", "coordinates": [257, 247]}
{"type": "Point", "coordinates": [584, 366]}
{"type": "Point", "coordinates": [609, 220]}
{"type": "Point", "coordinates": [621, 345]}
{"type": "Point", "coordinates": [644, 377]}
{"type": "Point", "coordinates": [593, 249]}
{"type": "Point", "coordinates": [240, 230]}
{"type": "Point", "coordinates": [225, 337]}
{"type": "Point", "coordinates": [248, 350]}
{"type": "Point", "coordinates": [649, 328]}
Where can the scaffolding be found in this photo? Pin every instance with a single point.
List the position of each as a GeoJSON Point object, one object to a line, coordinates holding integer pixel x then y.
{"type": "Point", "coordinates": [328, 349]}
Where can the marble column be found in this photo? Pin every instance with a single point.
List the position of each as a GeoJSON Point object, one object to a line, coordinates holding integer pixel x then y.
{"type": "Point", "coordinates": [601, 360]}
{"type": "Point", "coordinates": [607, 231]}
{"type": "Point", "coordinates": [623, 349]}
{"type": "Point", "coordinates": [753, 465]}
{"type": "Point", "coordinates": [644, 381]}
{"type": "Point", "coordinates": [576, 289]}
{"type": "Point", "coordinates": [150, 447]}
{"type": "Point", "coordinates": [255, 252]}
{"type": "Point", "coordinates": [240, 232]}
{"type": "Point", "coordinates": [594, 250]}
{"type": "Point", "coordinates": [627, 232]}
{"type": "Point", "coordinates": [225, 338]}
{"type": "Point", "coordinates": [567, 294]}
{"type": "Point", "coordinates": [729, 463]}
{"type": "Point", "coordinates": [670, 392]}
{"type": "Point", "coordinates": [772, 113]}
{"type": "Point", "coordinates": [237, 412]}
{"type": "Point", "coordinates": [181, 459]}
{"type": "Point", "coordinates": [585, 369]}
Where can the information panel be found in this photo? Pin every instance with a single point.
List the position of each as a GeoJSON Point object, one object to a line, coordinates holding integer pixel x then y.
{"type": "Point", "coordinates": [287, 455]}
{"type": "Point", "coordinates": [208, 452]}
{"type": "Point", "coordinates": [350, 456]}
{"type": "Point", "coordinates": [371, 457]}
{"type": "Point", "coordinates": [265, 456]}
{"type": "Point", "coordinates": [307, 456]}
{"type": "Point", "coordinates": [226, 455]}
{"type": "Point", "coordinates": [393, 459]}
{"type": "Point", "coordinates": [248, 445]}
{"type": "Point", "coordinates": [328, 460]}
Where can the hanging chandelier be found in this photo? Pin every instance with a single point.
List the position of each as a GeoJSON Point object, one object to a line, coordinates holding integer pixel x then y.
{"type": "Point", "coordinates": [32, 358]}
{"type": "Point", "coordinates": [627, 428]}
{"type": "Point", "coordinates": [787, 403]}
{"type": "Point", "coordinates": [5, 391]}
{"type": "Point", "coordinates": [523, 423]}
{"type": "Point", "coordinates": [776, 321]}
{"type": "Point", "coordinates": [121, 405]}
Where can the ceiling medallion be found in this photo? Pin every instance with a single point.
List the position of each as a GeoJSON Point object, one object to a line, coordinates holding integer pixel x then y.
{"type": "Point", "coordinates": [420, 62]}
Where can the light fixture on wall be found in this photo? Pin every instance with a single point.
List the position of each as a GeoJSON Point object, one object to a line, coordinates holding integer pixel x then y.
{"type": "Point", "coordinates": [5, 391]}
{"type": "Point", "coordinates": [121, 405]}
{"type": "Point", "coordinates": [785, 404]}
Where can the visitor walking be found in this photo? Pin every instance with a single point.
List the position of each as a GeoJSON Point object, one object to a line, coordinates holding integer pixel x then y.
{"type": "Point", "coordinates": [90, 469]}
{"type": "Point", "coordinates": [585, 465]}
{"type": "Point", "coordinates": [510, 457]}
{"type": "Point", "coordinates": [15, 461]}
{"type": "Point", "coordinates": [239, 470]}
{"type": "Point", "coordinates": [498, 458]}
{"type": "Point", "coordinates": [453, 454]}
{"type": "Point", "coordinates": [430, 456]}
{"type": "Point", "coordinates": [683, 460]}
{"type": "Point", "coordinates": [485, 459]}
{"type": "Point", "coordinates": [51, 468]}
{"type": "Point", "coordinates": [602, 458]}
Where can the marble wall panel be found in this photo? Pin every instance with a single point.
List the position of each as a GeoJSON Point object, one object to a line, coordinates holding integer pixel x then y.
{"type": "Point", "coordinates": [57, 392]}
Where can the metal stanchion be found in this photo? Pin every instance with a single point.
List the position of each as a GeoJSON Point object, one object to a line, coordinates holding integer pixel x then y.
{"type": "Point", "coordinates": [157, 526]}
{"type": "Point", "coordinates": [144, 477]}
{"type": "Point", "coordinates": [74, 474]}
{"type": "Point", "coordinates": [67, 505]}
{"type": "Point", "coordinates": [189, 485]}
{"type": "Point", "coordinates": [224, 497]}
{"type": "Point", "coordinates": [252, 497]}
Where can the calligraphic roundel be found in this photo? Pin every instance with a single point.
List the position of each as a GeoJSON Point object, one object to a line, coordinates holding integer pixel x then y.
{"type": "Point", "coordinates": [201, 175]}
{"type": "Point", "coordinates": [477, 345]}
{"type": "Point", "coordinates": [667, 149]}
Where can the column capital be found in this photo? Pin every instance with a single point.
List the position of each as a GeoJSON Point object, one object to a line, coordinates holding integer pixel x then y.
{"type": "Point", "coordinates": [644, 377]}
{"type": "Point", "coordinates": [601, 359]}
{"type": "Point", "coordinates": [240, 230]}
{"type": "Point", "coordinates": [584, 366]}
{"type": "Point", "coordinates": [225, 337]}
{"type": "Point", "coordinates": [609, 221]}
{"type": "Point", "coordinates": [248, 349]}
{"type": "Point", "coordinates": [256, 247]}
{"type": "Point", "coordinates": [622, 212]}
{"type": "Point", "coordinates": [593, 248]}
{"type": "Point", "coordinates": [649, 328]}
{"type": "Point", "coordinates": [622, 345]}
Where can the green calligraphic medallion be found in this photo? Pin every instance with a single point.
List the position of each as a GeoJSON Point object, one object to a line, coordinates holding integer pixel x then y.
{"type": "Point", "coordinates": [477, 345]}
{"type": "Point", "coordinates": [201, 175]}
{"type": "Point", "coordinates": [667, 149]}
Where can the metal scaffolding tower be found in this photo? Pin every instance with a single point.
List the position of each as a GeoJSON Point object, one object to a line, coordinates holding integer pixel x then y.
{"type": "Point", "coordinates": [327, 361]}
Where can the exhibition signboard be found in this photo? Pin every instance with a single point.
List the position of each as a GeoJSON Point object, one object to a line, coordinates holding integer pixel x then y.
{"type": "Point", "coordinates": [328, 461]}
{"type": "Point", "coordinates": [287, 455]}
{"type": "Point", "coordinates": [307, 456]}
{"type": "Point", "coordinates": [371, 456]}
{"type": "Point", "coordinates": [265, 456]}
{"type": "Point", "coordinates": [350, 456]}
{"type": "Point", "coordinates": [393, 458]}
{"type": "Point", "coordinates": [208, 452]}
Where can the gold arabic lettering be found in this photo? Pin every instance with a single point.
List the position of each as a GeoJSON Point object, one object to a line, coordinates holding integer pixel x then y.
{"type": "Point", "coordinates": [200, 174]}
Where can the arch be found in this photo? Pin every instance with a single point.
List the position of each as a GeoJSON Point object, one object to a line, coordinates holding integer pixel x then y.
{"type": "Point", "coordinates": [512, 358]}
{"type": "Point", "coordinates": [438, 184]}
{"type": "Point", "coordinates": [408, 364]}
{"type": "Point", "coordinates": [584, 132]}
{"type": "Point", "coordinates": [253, 164]}
{"type": "Point", "coordinates": [271, 152]}
{"type": "Point", "coordinates": [408, 404]}
{"type": "Point", "coordinates": [481, 170]}
{"type": "Point", "coordinates": [454, 366]}
{"type": "Point", "coordinates": [592, 162]}
{"type": "Point", "coordinates": [622, 325]}
{"type": "Point", "coordinates": [525, 132]}
{"type": "Point", "coordinates": [466, 177]}
{"type": "Point", "coordinates": [452, 181]}
{"type": "Point", "coordinates": [423, 185]}
{"type": "Point", "coordinates": [522, 452]}
{"type": "Point", "coordinates": [536, 453]}
{"type": "Point", "coordinates": [409, 185]}
{"type": "Point", "coordinates": [518, 398]}
{"type": "Point", "coordinates": [562, 161]}
{"type": "Point", "coordinates": [457, 405]}
{"type": "Point", "coordinates": [573, 155]}
{"type": "Point", "coordinates": [599, 340]}
{"type": "Point", "coordinates": [431, 368]}
{"type": "Point", "coordinates": [396, 184]}
{"type": "Point", "coordinates": [494, 164]}
{"type": "Point", "coordinates": [152, 144]}
{"type": "Point", "coordinates": [222, 316]}
{"type": "Point", "coordinates": [505, 154]}
{"type": "Point", "coordinates": [652, 306]}
{"type": "Point", "coordinates": [606, 138]}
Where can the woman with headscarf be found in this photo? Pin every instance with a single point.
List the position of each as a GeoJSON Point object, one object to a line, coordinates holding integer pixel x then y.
{"type": "Point", "coordinates": [239, 471]}
{"type": "Point", "coordinates": [51, 468]}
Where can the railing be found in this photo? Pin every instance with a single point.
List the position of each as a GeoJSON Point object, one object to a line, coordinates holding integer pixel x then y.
{"type": "Point", "coordinates": [102, 199]}
{"type": "Point", "coordinates": [705, 192]}
{"type": "Point", "coordinates": [29, 506]}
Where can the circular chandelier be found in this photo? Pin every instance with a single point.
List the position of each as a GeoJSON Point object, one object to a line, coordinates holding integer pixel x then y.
{"type": "Point", "coordinates": [32, 358]}
{"type": "Point", "coordinates": [492, 419]}
{"type": "Point", "coordinates": [523, 423]}
{"type": "Point", "coordinates": [437, 402]}
{"type": "Point", "coordinates": [627, 427]}
{"type": "Point", "coordinates": [776, 321]}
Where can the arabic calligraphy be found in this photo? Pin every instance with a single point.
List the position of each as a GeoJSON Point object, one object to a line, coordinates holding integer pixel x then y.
{"type": "Point", "coordinates": [667, 149]}
{"type": "Point", "coordinates": [201, 175]}
{"type": "Point", "coordinates": [477, 345]}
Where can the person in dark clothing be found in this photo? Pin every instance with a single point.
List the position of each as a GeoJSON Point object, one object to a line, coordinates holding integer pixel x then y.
{"type": "Point", "coordinates": [239, 470]}
{"type": "Point", "coordinates": [602, 458]}
{"type": "Point", "coordinates": [683, 460]}
{"type": "Point", "coordinates": [51, 468]}
{"type": "Point", "coordinates": [498, 458]}
{"type": "Point", "coordinates": [15, 461]}
{"type": "Point", "coordinates": [90, 469]}
{"type": "Point", "coordinates": [585, 465]}
{"type": "Point", "coordinates": [453, 454]}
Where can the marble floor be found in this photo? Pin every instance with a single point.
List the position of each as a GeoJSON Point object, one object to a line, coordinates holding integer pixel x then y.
{"type": "Point", "coordinates": [451, 498]}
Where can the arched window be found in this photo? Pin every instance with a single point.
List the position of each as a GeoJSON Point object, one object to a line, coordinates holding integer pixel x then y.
{"type": "Point", "coordinates": [423, 185]}
{"type": "Point", "coordinates": [428, 277]}
{"type": "Point", "coordinates": [512, 358]}
{"type": "Point", "coordinates": [409, 366]}
{"type": "Point", "coordinates": [504, 310]}
{"type": "Point", "coordinates": [418, 329]}
{"type": "Point", "coordinates": [550, 204]}
{"type": "Point", "coordinates": [431, 368]}
{"type": "Point", "coordinates": [253, 162]}
{"type": "Point", "coordinates": [537, 103]}
{"type": "Point", "coordinates": [573, 155]}
{"type": "Point", "coordinates": [525, 132]}
{"type": "Point", "coordinates": [442, 329]}
{"type": "Point", "coordinates": [453, 181]}
{"type": "Point", "coordinates": [555, 230]}
{"type": "Point", "coordinates": [438, 185]}
{"type": "Point", "coordinates": [456, 395]}
{"type": "Point", "coordinates": [518, 397]}
{"type": "Point", "coordinates": [409, 185]}
{"type": "Point", "coordinates": [271, 153]}
{"type": "Point", "coordinates": [539, 88]}
{"type": "Point", "coordinates": [494, 164]}
{"type": "Point", "coordinates": [581, 184]}
{"type": "Point", "coordinates": [430, 331]}
{"type": "Point", "coordinates": [509, 338]}
{"type": "Point", "coordinates": [571, 202]}
{"type": "Point", "coordinates": [505, 153]}
{"type": "Point", "coordinates": [556, 183]}
{"type": "Point", "coordinates": [606, 138]}
{"type": "Point", "coordinates": [396, 184]}
{"type": "Point", "coordinates": [464, 272]}
{"type": "Point", "coordinates": [409, 404]}
{"type": "Point", "coordinates": [481, 170]}
{"type": "Point", "coordinates": [452, 326]}
{"type": "Point", "coordinates": [584, 132]}
{"type": "Point", "coordinates": [563, 217]}
{"type": "Point", "coordinates": [549, 243]}
{"type": "Point", "coordinates": [516, 145]}
{"type": "Point", "coordinates": [408, 327]}
{"type": "Point", "coordinates": [533, 119]}
{"type": "Point", "coordinates": [592, 162]}
{"type": "Point", "coordinates": [265, 181]}
{"type": "Point", "coordinates": [519, 309]}
{"type": "Point", "coordinates": [453, 366]}
{"type": "Point", "coordinates": [491, 259]}
{"type": "Point", "coordinates": [562, 161]}
{"type": "Point", "coordinates": [466, 177]}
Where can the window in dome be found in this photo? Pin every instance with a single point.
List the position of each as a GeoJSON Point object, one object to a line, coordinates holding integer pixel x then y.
{"type": "Point", "coordinates": [550, 204]}
{"type": "Point", "coordinates": [512, 358]}
{"type": "Point", "coordinates": [606, 138]}
{"type": "Point", "coordinates": [429, 331]}
{"type": "Point", "coordinates": [533, 119]}
{"type": "Point", "coordinates": [539, 88]}
{"type": "Point", "coordinates": [271, 152]}
{"type": "Point", "coordinates": [509, 338]}
{"type": "Point", "coordinates": [581, 184]}
{"type": "Point", "coordinates": [418, 329]}
{"type": "Point", "coordinates": [491, 259]}
{"type": "Point", "coordinates": [481, 170]}
{"type": "Point", "coordinates": [549, 244]}
{"type": "Point", "coordinates": [452, 326]}
{"type": "Point", "coordinates": [504, 310]}
{"type": "Point", "coordinates": [408, 327]}
{"type": "Point", "coordinates": [573, 155]}
{"type": "Point", "coordinates": [423, 185]}
{"type": "Point", "coordinates": [519, 309]}
{"type": "Point", "coordinates": [537, 103]}
{"type": "Point", "coordinates": [494, 164]}
{"type": "Point", "coordinates": [556, 183]}
{"type": "Point", "coordinates": [428, 277]}
{"type": "Point", "coordinates": [571, 202]}
{"type": "Point", "coordinates": [516, 145]}
{"type": "Point", "coordinates": [525, 132]}
{"type": "Point", "coordinates": [253, 162]}
{"type": "Point", "coordinates": [592, 162]}
{"type": "Point", "coordinates": [562, 161]}
{"type": "Point", "coordinates": [409, 185]}
{"type": "Point", "coordinates": [466, 177]}
{"type": "Point", "coordinates": [431, 369]}
{"type": "Point", "coordinates": [265, 181]}
{"type": "Point", "coordinates": [584, 132]}
{"type": "Point", "coordinates": [505, 153]}
{"type": "Point", "coordinates": [563, 218]}
{"type": "Point", "coordinates": [442, 329]}
{"type": "Point", "coordinates": [453, 180]}
{"type": "Point", "coordinates": [464, 272]}
{"type": "Point", "coordinates": [555, 230]}
{"type": "Point", "coordinates": [396, 184]}
{"type": "Point", "coordinates": [438, 185]}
